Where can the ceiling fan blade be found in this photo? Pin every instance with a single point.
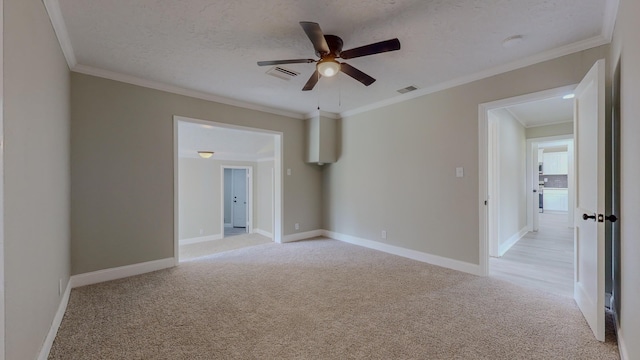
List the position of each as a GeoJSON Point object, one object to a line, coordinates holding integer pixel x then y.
{"type": "Point", "coordinates": [375, 48]}
{"type": "Point", "coordinates": [313, 80]}
{"type": "Point", "coordinates": [316, 36]}
{"type": "Point", "coordinates": [280, 62]}
{"type": "Point", "coordinates": [357, 74]}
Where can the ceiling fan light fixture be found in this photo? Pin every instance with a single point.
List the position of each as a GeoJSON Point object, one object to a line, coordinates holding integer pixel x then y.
{"type": "Point", "coordinates": [205, 154]}
{"type": "Point", "coordinates": [328, 67]}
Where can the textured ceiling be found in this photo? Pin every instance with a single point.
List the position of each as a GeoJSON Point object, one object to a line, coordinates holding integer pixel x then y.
{"type": "Point", "coordinates": [212, 46]}
{"type": "Point", "coordinates": [544, 112]}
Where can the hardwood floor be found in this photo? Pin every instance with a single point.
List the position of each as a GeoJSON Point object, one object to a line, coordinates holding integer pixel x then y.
{"type": "Point", "coordinates": [542, 260]}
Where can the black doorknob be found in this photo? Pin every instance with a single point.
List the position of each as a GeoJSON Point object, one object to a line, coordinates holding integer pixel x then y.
{"type": "Point", "coordinates": [611, 218]}
{"type": "Point", "coordinates": [586, 217]}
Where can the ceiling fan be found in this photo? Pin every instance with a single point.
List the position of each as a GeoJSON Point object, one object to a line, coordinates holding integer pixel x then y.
{"type": "Point", "coordinates": [328, 49]}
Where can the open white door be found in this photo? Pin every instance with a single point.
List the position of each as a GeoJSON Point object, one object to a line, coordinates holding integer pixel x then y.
{"type": "Point", "coordinates": [535, 184]}
{"type": "Point", "coordinates": [589, 132]}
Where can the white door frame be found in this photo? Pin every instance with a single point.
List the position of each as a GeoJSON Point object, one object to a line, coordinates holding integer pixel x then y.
{"type": "Point", "coordinates": [278, 189]}
{"type": "Point", "coordinates": [483, 160]}
{"type": "Point", "coordinates": [249, 195]}
{"type": "Point", "coordinates": [2, 295]}
{"type": "Point", "coordinates": [532, 177]}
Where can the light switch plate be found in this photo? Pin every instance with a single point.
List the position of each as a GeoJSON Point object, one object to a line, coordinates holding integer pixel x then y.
{"type": "Point", "coordinates": [459, 172]}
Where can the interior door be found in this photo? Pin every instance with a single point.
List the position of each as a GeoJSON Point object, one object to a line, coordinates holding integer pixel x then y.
{"type": "Point", "coordinates": [589, 132]}
{"type": "Point", "coordinates": [535, 184]}
{"type": "Point", "coordinates": [239, 198]}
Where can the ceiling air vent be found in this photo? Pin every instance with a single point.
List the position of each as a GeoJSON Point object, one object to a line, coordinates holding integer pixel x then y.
{"type": "Point", "coordinates": [282, 73]}
{"type": "Point", "coordinates": [407, 89]}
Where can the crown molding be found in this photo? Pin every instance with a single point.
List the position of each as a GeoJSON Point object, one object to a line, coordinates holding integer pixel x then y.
{"type": "Point", "coordinates": [531, 60]}
{"type": "Point", "coordinates": [318, 113]}
{"type": "Point", "coordinates": [133, 80]}
{"type": "Point", "coordinates": [609, 21]}
{"type": "Point", "coordinates": [60, 28]}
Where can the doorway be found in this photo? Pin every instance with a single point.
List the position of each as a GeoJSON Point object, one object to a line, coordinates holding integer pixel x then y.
{"type": "Point", "coordinates": [591, 197]}
{"type": "Point", "coordinates": [519, 132]}
{"type": "Point", "coordinates": [199, 183]}
{"type": "Point", "coordinates": [237, 192]}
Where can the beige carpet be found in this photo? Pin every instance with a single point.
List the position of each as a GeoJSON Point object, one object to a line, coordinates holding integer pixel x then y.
{"type": "Point", "coordinates": [320, 299]}
{"type": "Point", "coordinates": [205, 248]}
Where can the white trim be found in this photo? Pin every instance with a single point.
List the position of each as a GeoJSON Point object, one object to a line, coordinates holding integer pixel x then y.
{"type": "Point", "coordinates": [407, 253]}
{"type": "Point", "coordinates": [277, 165]}
{"type": "Point", "coordinates": [55, 325]}
{"type": "Point", "coordinates": [263, 233]}
{"type": "Point", "coordinates": [200, 239]}
{"type": "Point", "coordinates": [2, 281]}
{"type": "Point", "coordinates": [547, 124]}
{"type": "Point", "coordinates": [532, 60]}
{"type": "Point", "coordinates": [157, 85]}
{"type": "Point", "coordinates": [60, 28]}
{"type": "Point", "coordinates": [57, 20]}
{"type": "Point", "coordinates": [504, 247]}
{"type": "Point", "coordinates": [532, 176]}
{"type": "Point", "coordinates": [483, 136]}
{"type": "Point", "coordinates": [609, 22]}
{"type": "Point", "coordinates": [249, 195]}
{"type": "Point", "coordinates": [622, 344]}
{"type": "Point", "coordinates": [303, 235]}
{"type": "Point", "coordinates": [176, 194]}
{"type": "Point", "coordinates": [318, 113]}
{"type": "Point", "coordinates": [120, 272]}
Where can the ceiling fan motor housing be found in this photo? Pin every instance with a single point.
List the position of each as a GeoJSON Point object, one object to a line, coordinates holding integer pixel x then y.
{"type": "Point", "coordinates": [335, 46]}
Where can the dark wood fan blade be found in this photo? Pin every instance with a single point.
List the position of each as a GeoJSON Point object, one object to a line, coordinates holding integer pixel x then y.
{"type": "Point", "coordinates": [357, 74]}
{"type": "Point", "coordinates": [316, 36]}
{"type": "Point", "coordinates": [375, 48]}
{"type": "Point", "coordinates": [280, 62]}
{"type": "Point", "coordinates": [313, 80]}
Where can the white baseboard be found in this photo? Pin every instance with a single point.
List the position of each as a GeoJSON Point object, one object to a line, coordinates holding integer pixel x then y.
{"type": "Point", "coordinates": [303, 235]}
{"type": "Point", "coordinates": [263, 233]}
{"type": "Point", "coordinates": [199, 239]}
{"type": "Point", "coordinates": [408, 253]}
{"type": "Point", "coordinates": [504, 247]}
{"type": "Point", "coordinates": [55, 325]}
{"type": "Point", "coordinates": [622, 344]}
{"type": "Point", "coordinates": [120, 272]}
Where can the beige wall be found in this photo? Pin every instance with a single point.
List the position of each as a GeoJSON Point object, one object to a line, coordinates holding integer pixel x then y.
{"type": "Point", "coordinates": [264, 196]}
{"type": "Point", "coordinates": [512, 165]}
{"type": "Point", "coordinates": [550, 130]}
{"type": "Point", "coordinates": [199, 195]}
{"type": "Point", "coordinates": [122, 170]}
{"type": "Point", "coordinates": [625, 56]}
{"type": "Point", "coordinates": [396, 171]}
{"type": "Point", "coordinates": [36, 176]}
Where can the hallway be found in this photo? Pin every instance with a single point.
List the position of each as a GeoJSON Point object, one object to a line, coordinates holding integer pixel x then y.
{"type": "Point", "coordinates": [542, 260]}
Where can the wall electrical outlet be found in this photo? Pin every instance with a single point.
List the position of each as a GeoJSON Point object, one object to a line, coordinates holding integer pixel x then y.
{"type": "Point", "coordinates": [297, 226]}
{"type": "Point", "coordinates": [383, 234]}
{"type": "Point", "coordinates": [288, 171]}
{"type": "Point", "coordinates": [201, 231]}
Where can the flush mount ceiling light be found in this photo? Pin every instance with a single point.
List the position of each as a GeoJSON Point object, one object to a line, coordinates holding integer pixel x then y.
{"type": "Point", "coordinates": [328, 67]}
{"type": "Point", "coordinates": [569, 96]}
{"type": "Point", "coordinates": [205, 154]}
{"type": "Point", "coordinates": [512, 41]}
